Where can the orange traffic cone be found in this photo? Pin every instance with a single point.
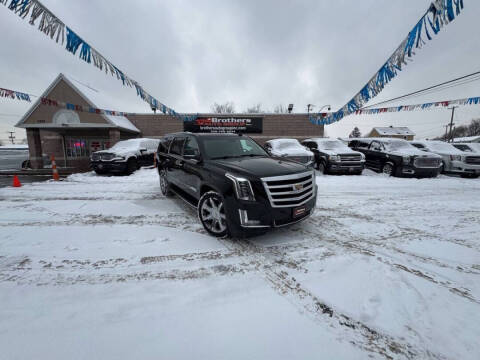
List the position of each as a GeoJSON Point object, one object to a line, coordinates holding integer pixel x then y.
{"type": "Point", "coordinates": [54, 168]}
{"type": "Point", "coordinates": [16, 181]}
{"type": "Point", "coordinates": [154, 159]}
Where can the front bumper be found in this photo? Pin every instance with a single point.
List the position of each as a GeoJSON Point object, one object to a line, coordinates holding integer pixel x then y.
{"type": "Point", "coordinates": [109, 166]}
{"type": "Point", "coordinates": [249, 218]}
{"type": "Point", "coordinates": [346, 167]}
{"type": "Point", "coordinates": [412, 171]}
{"type": "Point", "coordinates": [459, 167]}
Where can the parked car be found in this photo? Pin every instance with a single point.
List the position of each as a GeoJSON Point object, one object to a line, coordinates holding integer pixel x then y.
{"type": "Point", "coordinates": [334, 156]}
{"type": "Point", "coordinates": [125, 156]}
{"type": "Point", "coordinates": [454, 161]}
{"type": "Point", "coordinates": [397, 157]}
{"type": "Point", "coordinates": [468, 147]}
{"type": "Point", "coordinates": [290, 149]}
{"type": "Point", "coordinates": [237, 188]}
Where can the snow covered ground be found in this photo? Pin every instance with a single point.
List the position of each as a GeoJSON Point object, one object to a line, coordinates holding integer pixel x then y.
{"type": "Point", "coordinates": [106, 268]}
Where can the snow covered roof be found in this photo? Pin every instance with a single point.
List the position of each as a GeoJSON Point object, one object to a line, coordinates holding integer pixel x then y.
{"type": "Point", "coordinates": [467, 139]}
{"type": "Point", "coordinates": [390, 131]}
{"type": "Point", "coordinates": [14, 147]}
{"type": "Point", "coordinates": [92, 96]}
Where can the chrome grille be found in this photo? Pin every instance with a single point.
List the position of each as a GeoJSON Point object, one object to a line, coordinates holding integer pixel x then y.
{"type": "Point", "coordinates": [350, 157]}
{"type": "Point", "coordinates": [102, 156]}
{"type": "Point", "coordinates": [300, 159]}
{"type": "Point", "coordinates": [290, 190]}
{"type": "Point", "coordinates": [475, 160]}
{"type": "Point", "coordinates": [426, 162]}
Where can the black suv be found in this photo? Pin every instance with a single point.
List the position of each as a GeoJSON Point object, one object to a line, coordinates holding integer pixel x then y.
{"type": "Point", "coordinates": [237, 188]}
{"type": "Point", "coordinates": [397, 157]}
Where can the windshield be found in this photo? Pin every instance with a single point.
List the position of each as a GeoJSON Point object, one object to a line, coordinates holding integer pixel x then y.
{"type": "Point", "coordinates": [474, 147]}
{"type": "Point", "coordinates": [439, 146]}
{"type": "Point", "coordinates": [286, 144]}
{"type": "Point", "coordinates": [331, 145]}
{"type": "Point", "coordinates": [225, 147]}
{"type": "Point", "coordinates": [398, 145]}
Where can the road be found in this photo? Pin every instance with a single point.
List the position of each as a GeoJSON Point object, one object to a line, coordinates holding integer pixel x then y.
{"type": "Point", "coordinates": [385, 268]}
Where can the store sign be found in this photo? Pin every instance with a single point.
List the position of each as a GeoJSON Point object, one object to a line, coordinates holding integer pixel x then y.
{"type": "Point", "coordinates": [225, 125]}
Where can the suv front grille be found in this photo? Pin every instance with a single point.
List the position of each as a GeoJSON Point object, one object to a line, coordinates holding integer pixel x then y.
{"type": "Point", "coordinates": [102, 156]}
{"type": "Point", "coordinates": [474, 160]}
{"type": "Point", "coordinates": [350, 157]}
{"type": "Point", "coordinates": [425, 162]}
{"type": "Point", "coordinates": [290, 190]}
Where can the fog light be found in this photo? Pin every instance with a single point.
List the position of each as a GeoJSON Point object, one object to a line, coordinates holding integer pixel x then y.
{"type": "Point", "coordinates": [245, 221]}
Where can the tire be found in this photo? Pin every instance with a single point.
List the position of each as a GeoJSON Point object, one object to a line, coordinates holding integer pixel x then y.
{"type": "Point", "coordinates": [321, 167]}
{"type": "Point", "coordinates": [100, 172]}
{"type": "Point", "coordinates": [442, 168]}
{"type": "Point", "coordinates": [164, 184]}
{"type": "Point", "coordinates": [358, 173]}
{"type": "Point", "coordinates": [132, 166]}
{"type": "Point", "coordinates": [388, 169]}
{"type": "Point", "coordinates": [211, 213]}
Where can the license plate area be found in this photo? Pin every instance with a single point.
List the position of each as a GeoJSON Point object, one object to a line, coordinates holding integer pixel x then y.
{"type": "Point", "coordinates": [299, 211]}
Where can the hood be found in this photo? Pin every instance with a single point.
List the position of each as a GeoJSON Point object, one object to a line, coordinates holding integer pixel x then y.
{"type": "Point", "coordinates": [413, 152]}
{"type": "Point", "coordinates": [293, 152]}
{"type": "Point", "coordinates": [258, 167]}
{"type": "Point", "coordinates": [119, 152]}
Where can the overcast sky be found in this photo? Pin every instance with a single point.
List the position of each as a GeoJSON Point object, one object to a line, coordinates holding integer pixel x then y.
{"type": "Point", "coordinates": [190, 54]}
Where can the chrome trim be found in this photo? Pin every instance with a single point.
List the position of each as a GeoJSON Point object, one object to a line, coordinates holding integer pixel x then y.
{"type": "Point", "coordinates": [415, 161]}
{"type": "Point", "coordinates": [292, 192]}
{"type": "Point", "coordinates": [274, 203]}
{"type": "Point", "coordinates": [242, 222]}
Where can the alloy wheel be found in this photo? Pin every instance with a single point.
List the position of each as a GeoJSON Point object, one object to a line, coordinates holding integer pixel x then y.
{"type": "Point", "coordinates": [212, 215]}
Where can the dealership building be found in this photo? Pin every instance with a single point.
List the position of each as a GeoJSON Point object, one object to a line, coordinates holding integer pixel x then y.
{"type": "Point", "coordinates": [71, 136]}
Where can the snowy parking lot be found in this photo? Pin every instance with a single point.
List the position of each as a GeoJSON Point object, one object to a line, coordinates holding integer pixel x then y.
{"type": "Point", "coordinates": [107, 268]}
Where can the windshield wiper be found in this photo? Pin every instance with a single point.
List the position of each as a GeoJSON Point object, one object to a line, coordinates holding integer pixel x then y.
{"type": "Point", "coordinates": [224, 157]}
{"type": "Point", "coordinates": [251, 155]}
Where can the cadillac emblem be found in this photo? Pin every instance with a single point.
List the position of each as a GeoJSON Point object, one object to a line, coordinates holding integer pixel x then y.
{"type": "Point", "coordinates": [298, 187]}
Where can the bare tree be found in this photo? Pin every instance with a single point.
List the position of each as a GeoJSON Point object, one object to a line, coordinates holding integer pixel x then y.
{"type": "Point", "coordinates": [474, 128]}
{"type": "Point", "coordinates": [280, 109]}
{"type": "Point", "coordinates": [255, 109]}
{"type": "Point", "coordinates": [225, 108]}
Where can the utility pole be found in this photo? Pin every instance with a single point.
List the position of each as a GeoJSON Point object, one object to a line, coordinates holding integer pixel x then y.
{"type": "Point", "coordinates": [446, 132]}
{"type": "Point", "coordinates": [309, 106]}
{"type": "Point", "coordinates": [451, 122]}
{"type": "Point", "coordinates": [12, 136]}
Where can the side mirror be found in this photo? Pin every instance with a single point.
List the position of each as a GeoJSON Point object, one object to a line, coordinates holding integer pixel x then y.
{"type": "Point", "coordinates": [143, 150]}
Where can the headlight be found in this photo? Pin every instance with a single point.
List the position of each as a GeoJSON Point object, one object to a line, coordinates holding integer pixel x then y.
{"type": "Point", "coordinates": [456, 157]}
{"type": "Point", "coordinates": [362, 156]}
{"type": "Point", "coordinates": [406, 159]}
{"type": "Point", "coordinates": [334, 158]}
{"type": "Point", "coordinates": [243, 188]}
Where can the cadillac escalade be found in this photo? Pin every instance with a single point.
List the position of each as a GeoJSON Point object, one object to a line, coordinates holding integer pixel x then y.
{"type": "Point", "coordinates": [237, 188]}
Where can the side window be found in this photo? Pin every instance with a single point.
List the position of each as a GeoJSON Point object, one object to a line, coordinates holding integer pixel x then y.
{"type": "Point", "coordinates": [420, 146]}
{"type": "Point", "coordinates": [376, 146]}
{"type": "Point", "coordinates": [177, 145]}
{"type": "Point", "coordinates": [245, 146]}
{"type": "Point", "coordinates": [163, 145]}
{"type": "Point", "coordinates": [360, 145]}
{"type": "Point", "coordinates": [191, 147]}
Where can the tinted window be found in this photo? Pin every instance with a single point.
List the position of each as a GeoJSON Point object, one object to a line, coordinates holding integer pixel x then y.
{"type": "Point", "coordinates": [420, 146]}
{"type": "Point", "coordinates": [164, 145]}
{"type": "Point", "coordinates": [191, 147]}
{"type": "Point", "coordinates": [360, 144]}
{"type": "Point", "coordinates": [462, 147]}
{"type": "Point", "coordinates": [177, 145]}
{"type": "Point", "coordinates": [231, 147]}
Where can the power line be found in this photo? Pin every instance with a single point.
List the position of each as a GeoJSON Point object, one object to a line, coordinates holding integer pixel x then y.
{"type": "Point", "coordinates": [429, 88]}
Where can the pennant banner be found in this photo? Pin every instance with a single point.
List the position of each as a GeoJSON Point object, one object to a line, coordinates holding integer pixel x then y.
{"type": "Point", "coordinates": [14, 94]}
{"type": "Point", "coordinates": [439, 14]}
{"type": "Point", "coordinates": [56, 29]}
{"type": "Point", "coordinates": [426, 106]}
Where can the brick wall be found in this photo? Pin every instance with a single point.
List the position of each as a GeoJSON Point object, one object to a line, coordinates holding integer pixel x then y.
{"type": "Point", "coordinates": [274, 125]}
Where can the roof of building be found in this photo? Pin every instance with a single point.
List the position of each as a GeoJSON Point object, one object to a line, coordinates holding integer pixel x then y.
{"type": "Point", "coordinates": [467, 139]}
{"type": "Point", "coordinates": [92, 96]}
{"type": "Point", "coordinates": [391, 131]}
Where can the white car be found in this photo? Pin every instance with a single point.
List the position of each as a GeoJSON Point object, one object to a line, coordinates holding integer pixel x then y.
{"type": "Point", "coordinates": [468, 147]}
{"type": "Point", "coordinates": [125, 156]}
{"type": "Point", "coordinates": [454, 161]}
{"type": "Point", "coordinates": [290, 149]}
{"type": "Point", "coordinates": [334, 156]}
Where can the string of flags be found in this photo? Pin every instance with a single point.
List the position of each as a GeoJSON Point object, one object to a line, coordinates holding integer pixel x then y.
{"type": "Point", "coordinates": [80, 108]}
{"type": "Point", "coordinates": [6, 93]}
{"type": "Point", "coordinates": [54, 28]}
{"type": "Point", "coordinates": [416, 107]}
{"type": "Point", "coordinates": [439, 14]}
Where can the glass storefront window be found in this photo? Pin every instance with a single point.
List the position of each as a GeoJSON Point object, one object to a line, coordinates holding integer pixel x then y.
{"type": "Point", "coordinates": [83, 147]}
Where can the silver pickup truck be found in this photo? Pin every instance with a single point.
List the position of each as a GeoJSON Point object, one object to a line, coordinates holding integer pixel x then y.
{"type": "Point", "coordinates": [454, 161]}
